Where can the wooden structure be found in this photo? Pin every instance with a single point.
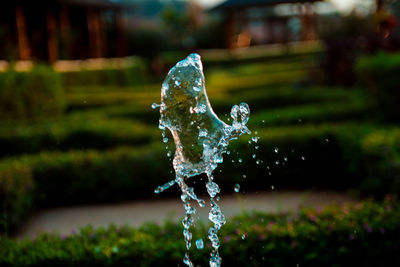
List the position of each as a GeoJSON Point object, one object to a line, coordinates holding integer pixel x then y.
{"type": "Point", "coordinates": [239, 14]}
{"type": "Point", "coordinates": [48, 30]}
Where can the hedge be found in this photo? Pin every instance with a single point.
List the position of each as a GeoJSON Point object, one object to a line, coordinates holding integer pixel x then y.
{"type": "Point", "coordinates": [361, 234]}
{"type": "Point", "coordinates": [84, 100]}
{"type": "Point", "coordinates": [134, 72]}
{"type": "Point", "coordinates": [77, 177]}
{"type": "Point", "coordinates": [311, 113]}
{"type": "Point", "coordinates": [75, 132]}
{"type": "Point", "coordinates": [29, 95]}
{"type": "Point", "coordinates": [380, 73]}
{"type": "Point", "coordinates": [132, 104]}
{"type": "Point", "coordinates": [382, 150]}
{"type": "Point", "coordinates": [308, 156]}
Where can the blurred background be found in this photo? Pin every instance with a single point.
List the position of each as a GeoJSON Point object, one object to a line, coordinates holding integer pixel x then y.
{"type": "Point", "coordinates": [80, 144]}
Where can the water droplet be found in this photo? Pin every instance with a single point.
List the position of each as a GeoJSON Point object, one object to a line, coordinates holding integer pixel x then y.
{"type": "Point", "coordinates": [263, 121]}
{"type": "Point", "coordinates": [276, 150]}
{"type": "Point", "coordinates": [177, 83]}
{"type": "Point", "coordinates": [277, 162]}
{"type": "Point", "coordinates": [237, 188]}
{"type": "Point", "coordinates": [303, 158]}
{"type": "Point", "coordinates": [327, 140]}
{"type": "Point", "coordinates": [201, 108]}
{"type": "Point", "coordinates": [258, 162]}
{"type": "Point", "coordinates": [203, 133]}
{"type": "Point", "coordinates": [165, 139]}
{"type": "Point", "coordinates": [244, 176]}
{"type": "Point", "coordinates": [212, 189]}
{"type": "Point", "coordinates": [255, 139]}
{"type": "Point", "coordinates": [228, 152]}
{"type": "Point", "coordinates": [285, 159]}
{"type": "Point", "coordinates": [254, 156]}
{"type": "Point", "coordinates": [256, 147]}
{"type": "Point", "coordinates": [169, 154]}
{"type": "Point", "coordinates": [154, 105]}
{"type": "Point", "coordinates": [272, 187]}
{"type": "Point", "coordinates": [243, 236]}
{"type": "Point", "coordinates": [199, 243]}
{"type": "Point", "coordinates": [240, 160]}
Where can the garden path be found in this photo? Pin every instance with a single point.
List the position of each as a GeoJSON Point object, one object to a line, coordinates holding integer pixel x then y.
{"type": "Point", "coordinates": [67, 220]}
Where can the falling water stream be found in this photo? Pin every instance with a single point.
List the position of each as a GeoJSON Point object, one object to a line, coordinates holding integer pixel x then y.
{"type": "Point", "coordinates": [201, 139]}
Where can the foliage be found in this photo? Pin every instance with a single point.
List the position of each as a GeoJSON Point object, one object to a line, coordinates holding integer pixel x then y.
{"type": "Point", "coordinates": [76, 177]}
{"type": "Point", "coordinates": [361, 234]}
{"type": "Point", "coordinates": [133, 73]}
{"type": "Point", "coordinates": [310, 113]}
{"type": "Point", "coordinates": [306, 153]}
{"type": "Point", "coordinates": [380, 73]}
{"type": "Point", "coordinates": [30, 95]}
{"type": "Point", "coordinates": [76, 132]}
{"type": "Point", "coordinates": [382, 152]}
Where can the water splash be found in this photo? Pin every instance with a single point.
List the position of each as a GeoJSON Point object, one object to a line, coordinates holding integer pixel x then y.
{"type": "Point", "coordinates": [201, 139]}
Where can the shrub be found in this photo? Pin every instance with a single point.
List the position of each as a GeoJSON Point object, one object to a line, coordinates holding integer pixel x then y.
{"type": "Point", "coordinates": [29, 95]}
{"type": "Point", "coordinates": [308, 156]}
{"type": "Point", "coordinates": [262, 98]}
{"type": "Point", "coordinates": [362, 234]}
{"type": "Point", "coordinates": [311, 113]}
{"type": "Point", "coordinates": [78, 101]}
{"type": "Point", "coordinates": [381, 74]}
{"type": "Point", "coordinates": [332, 159]}
{"type": "Point", "coordinates": [51, 179]}
{"type": "Point", "coordinates": [381, 150]}
{"type": "Point", "coordinates": [76, 132]}
{"type": "Point", "coordinates": [134, 72]}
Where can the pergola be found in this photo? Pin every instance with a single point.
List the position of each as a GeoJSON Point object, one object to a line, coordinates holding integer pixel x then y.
{"type": "Point", "coordinates": [68, 29]}
{"type": "Point", "coordinates": [236, 17]}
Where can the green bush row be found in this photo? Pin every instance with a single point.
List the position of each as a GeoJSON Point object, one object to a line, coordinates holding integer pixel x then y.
{"type": "Point", "coordinates": [32, 94]}
{"type": "Point", "coordinates": [362, 234]}
{"type": "Point", "coordinates": [381, 74]}
{"type": "Point", "coordinates": [133, 74]}
{"type": "Point", "coordinates": [77, 101]}
{"type": "Point", "coordinates": [259, 99]}
{"type": "Point", "coordinates": [76, 132]}
{"type": "Point", "coordinates": [305, 156]}
{"type": "Point", "coordinates": [325, 156]}
{"type": "Point", "coordinates": [54, 179]}
{"type": "Point", "coordinates": [382, 151]}
{"type": "Point", "coordinates": [311, 113]}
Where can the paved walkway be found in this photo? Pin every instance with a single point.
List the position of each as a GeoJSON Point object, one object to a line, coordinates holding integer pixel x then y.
{"type": "Point", "coordinates": [67, 220]}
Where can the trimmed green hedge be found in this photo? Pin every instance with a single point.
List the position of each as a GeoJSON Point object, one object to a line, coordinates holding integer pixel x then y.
{"type": "Point", "coordinates": [324, 156]}
{"type": "Point", "coordinates": [312, 113]}
{"type": "Point", "coordinates": [381, 74]}
{"type": "Point", "coordinates": [84, 100]}
{"type": "Point", "coordinates": [54, 179]}
{"type": "Point", "coordinates": [133, 74]}
{"type": "Point", "coordinates": [77, 132]}
{"type": "Point", "coordinates": [67, 178]}
{"type": "Point", "coordinates": [362, 234]}
{"type": "Point", "coordinates": [30, 95]}
{"type": "Point", "coordinates": [382, 151]}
